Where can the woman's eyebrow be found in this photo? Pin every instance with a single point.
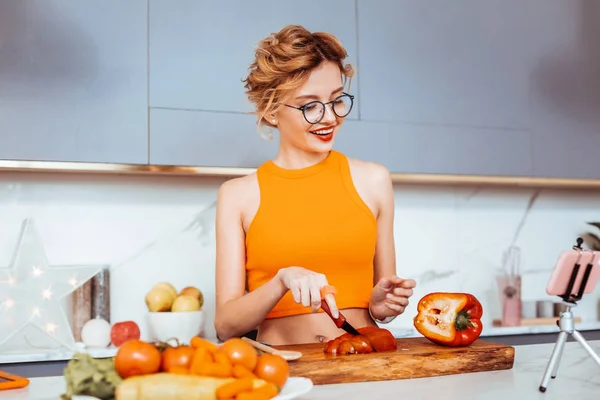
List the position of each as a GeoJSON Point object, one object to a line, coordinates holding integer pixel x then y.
{"type": "Point", "coordinates": [312, 96]}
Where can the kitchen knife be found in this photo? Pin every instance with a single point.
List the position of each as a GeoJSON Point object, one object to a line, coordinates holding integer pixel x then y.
{"type": "Point", "coordinates": [340, 321]}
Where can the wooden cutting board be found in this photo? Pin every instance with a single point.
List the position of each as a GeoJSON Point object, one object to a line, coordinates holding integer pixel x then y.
{"type": "Point", "coordinates": [414, 358]}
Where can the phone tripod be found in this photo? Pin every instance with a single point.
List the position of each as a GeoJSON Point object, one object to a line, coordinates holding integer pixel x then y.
{"type": "Point", "coordinates": [566, 321]}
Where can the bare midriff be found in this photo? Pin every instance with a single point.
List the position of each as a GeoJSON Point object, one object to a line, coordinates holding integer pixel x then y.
{"type": "Point", "coordinates": [309, 328]}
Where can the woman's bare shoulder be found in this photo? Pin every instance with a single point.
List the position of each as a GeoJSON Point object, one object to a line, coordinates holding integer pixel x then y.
{"type": "Point", "coordinates": [239, 188]}
{"type": "Point", "coordinates": [369, 172]}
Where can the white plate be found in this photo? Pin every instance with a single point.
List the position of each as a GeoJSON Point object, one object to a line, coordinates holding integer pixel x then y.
{"type": "Point", "coordinates": [295, 387]}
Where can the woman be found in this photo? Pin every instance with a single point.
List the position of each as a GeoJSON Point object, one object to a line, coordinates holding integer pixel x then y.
{"type": "Point", "coordinates": [310, 217]}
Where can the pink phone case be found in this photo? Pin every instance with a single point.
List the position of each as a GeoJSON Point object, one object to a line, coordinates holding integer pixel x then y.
{"type": "Point", "coordinates": [559, 281]}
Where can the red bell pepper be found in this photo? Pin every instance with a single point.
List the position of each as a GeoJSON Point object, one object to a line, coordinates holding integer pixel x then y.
{"type": "Point", "coordinates": [449, 319]}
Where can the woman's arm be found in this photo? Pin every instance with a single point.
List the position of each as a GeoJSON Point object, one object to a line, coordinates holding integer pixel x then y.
{"type": "Point", "coordinates": [385, 281]}
{"type": "Point", "coordinates": [237, 313]}
{"type": "Point", "coordinates": [385, 250]}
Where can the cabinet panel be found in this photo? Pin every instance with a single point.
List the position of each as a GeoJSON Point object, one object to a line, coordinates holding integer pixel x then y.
{"type": "Point", "coordinates": [231, 140]}
{"type": "Point", "coordinates": [200, 51]}
{"type": "Point", "coordinates": [445, 150]}
{"type": "Point", "coordinates": [566, 89]}
{"type": "Point", "coordinates": [445, 62]}
{"type": "Point", "coordinates": [73, 80]}
{"type": "Point", "coordinates": [180, 137]}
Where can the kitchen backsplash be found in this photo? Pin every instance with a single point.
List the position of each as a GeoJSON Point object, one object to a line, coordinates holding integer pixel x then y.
{"type": "Point", "coordinates": [151, 229]}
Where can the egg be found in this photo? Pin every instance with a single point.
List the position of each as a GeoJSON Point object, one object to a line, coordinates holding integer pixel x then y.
{"type": "Point", "coordinates": [96, 333]}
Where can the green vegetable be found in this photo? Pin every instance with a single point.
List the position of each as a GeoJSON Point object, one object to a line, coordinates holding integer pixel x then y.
{"type": "Point", "coordinates": [90, 376]}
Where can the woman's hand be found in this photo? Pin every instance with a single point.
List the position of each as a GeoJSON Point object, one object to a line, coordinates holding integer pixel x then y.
{"type": "Point", "coordinates": [390, 297]}
{"type": "Point", "coordinates": [306, 287]}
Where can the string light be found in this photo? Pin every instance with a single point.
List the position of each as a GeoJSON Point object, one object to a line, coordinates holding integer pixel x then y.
{"type": "Point", "coordinates": [31, 291]}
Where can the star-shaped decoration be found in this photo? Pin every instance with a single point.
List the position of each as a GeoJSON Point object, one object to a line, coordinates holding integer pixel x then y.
{"type": "Point", "coordinates": [31, 292]}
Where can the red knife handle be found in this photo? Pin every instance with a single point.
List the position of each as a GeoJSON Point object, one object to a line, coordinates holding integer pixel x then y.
{"type": "Point", "coordinates": [339, 321]}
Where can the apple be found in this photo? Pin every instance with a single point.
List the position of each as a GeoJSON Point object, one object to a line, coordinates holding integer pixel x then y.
{"type": "Point", "coordinates": [159, 300]}
{"type": "Point", "coordinates": [194, 292]}
{"type": "Point", "coordinates": [185, 303]}
{"type": "Point", "coordinates": [168, 287]}
{"type": "Point", "coordinates": [124, 331]}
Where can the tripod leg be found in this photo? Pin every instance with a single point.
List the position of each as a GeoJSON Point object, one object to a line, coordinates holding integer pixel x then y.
{"type": "Point", "coordinates": [562, 339]}
{"type": "Point", "coordinates": [586, 346]}
{"type": "Point", "coordinates": [552, 366]}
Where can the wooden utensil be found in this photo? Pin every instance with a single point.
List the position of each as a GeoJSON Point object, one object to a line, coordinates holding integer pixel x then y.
{"type": "Point", "coordinates": [289, 355]}
{"type": "Point", "coordinates": [414, 358]}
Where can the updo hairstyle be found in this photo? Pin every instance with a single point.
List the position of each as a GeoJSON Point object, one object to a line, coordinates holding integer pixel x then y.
{"type": "Point", "coordinates": [282, 64]}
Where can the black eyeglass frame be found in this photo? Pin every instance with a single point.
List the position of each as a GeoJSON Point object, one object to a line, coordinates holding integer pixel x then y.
{"type": "Point", "coordinates": [303, 108]}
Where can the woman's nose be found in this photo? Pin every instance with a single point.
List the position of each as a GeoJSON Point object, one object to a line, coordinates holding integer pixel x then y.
{"type": "Point", "coordinates": [329, 115]}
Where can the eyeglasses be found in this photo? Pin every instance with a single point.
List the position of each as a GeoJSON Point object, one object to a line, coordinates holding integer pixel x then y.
{"type": "Point", "coordinates": [315, 110]}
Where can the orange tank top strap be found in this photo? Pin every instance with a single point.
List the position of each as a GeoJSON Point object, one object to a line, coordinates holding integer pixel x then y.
{"type": "Point", "coordinates": [313, 218]}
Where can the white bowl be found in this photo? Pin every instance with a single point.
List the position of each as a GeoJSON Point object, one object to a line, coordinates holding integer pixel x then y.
{"type": "Point", "coordinates": [183, 325]}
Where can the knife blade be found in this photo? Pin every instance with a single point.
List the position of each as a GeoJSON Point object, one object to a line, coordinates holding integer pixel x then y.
{"type": "Point", "coordinates": [340, 321]}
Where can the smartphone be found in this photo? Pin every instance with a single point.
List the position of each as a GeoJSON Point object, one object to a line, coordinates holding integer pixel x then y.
{"type": "Point", "coordinates": [561, 275]}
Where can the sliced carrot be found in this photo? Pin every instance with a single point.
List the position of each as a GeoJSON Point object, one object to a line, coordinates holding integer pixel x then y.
{"type": "Point", "coordinates": [239, 371]}
{"type": "Point", "coordinates": [328, 289]}
{"type": "Point", "coordinates": [233, 388]}
{"type": "Point", "coordinates": [253, 395]}
{"type": "Point", "coordinates": [221, 358]}
{"type": "Point", "coordinates": [198, 342]}
{"type": "Point", "coordinates": [214, 370]}
{"type": "Point", "coordinates": [201, 356]}
{"type": "Point", "coordinates": [264, 392]}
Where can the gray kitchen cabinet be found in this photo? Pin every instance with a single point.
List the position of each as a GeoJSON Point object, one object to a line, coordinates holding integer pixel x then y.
{"type": "Point", "coordinates": [73, 80]}
{"type": "Point", "coordinates": [565, 89]}
{"type": "Point", "coordinates": [181, 137]}
{"type": "Point", "coordinates": [231, 140]}
{"type": "Point", "coordinates": [457, 63]}
{"type": "Point", "coordinates": [200, 51]}
{"type": "Point", "coordinates": [429, 149]}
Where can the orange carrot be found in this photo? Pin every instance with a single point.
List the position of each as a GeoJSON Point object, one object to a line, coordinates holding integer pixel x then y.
{"type": "Point", "coordinates": [253, 395]}
{"type": "Point", "coordinates": [239, 371]}
{"type": "Point", "coordinates": [269, 389]}
{"type": "Point", "coordinates": [221, 358]}
{"type": "Point", "coordinates": [233, 388]}
{"type": "Point", "coordinates": [198, 342]}
{"type": "Point", "coordinates": [201, 356]}
{"type": "Point", "coordinates": [265, 392]}
{"type": "Point", "coordinates": [214, 370]}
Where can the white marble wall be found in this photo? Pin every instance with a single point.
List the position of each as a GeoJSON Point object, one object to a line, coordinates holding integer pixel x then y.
{"type": "Point", "coordinates": [151, 229]}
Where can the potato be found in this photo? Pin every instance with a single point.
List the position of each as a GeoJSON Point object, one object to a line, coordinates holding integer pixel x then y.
{"type": "Point", "coordinates": [163, 386]}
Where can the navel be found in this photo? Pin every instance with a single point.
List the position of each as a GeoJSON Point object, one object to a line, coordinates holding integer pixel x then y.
{"type": "Point", "coordinates": [321, 338]}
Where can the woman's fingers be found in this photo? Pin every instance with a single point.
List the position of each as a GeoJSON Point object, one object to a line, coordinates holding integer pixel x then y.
{"type": "Point", "coordinates": [402, 292]}
{"type": "Point", "coordinates": [315, 293]}
{"type": "Point", "coordinates": [295, 289]}
{"type": "Point", "coordinates": [395, 307]}
{"type": "Point", "coordinates": [332, 306]}
{"type": "Point", "coordinates": [305, 292]}
{"type": "Point", "coordinates": [403, 301]}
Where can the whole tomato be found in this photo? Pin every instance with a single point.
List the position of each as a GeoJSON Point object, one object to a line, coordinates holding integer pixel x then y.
{"type": "Point", "coordinates": [124, 331]}
{"type": "Point", "coordinates": [240, 352]}
{"type": "Point", "coordinates": [180, 356]}
{"type": "Point", "coordinates": [136, 357]}
{"type": "Point", "coordinates": [272, 368]}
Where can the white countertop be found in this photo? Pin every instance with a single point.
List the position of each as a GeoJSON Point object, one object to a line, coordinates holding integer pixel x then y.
{"type": "Point", "coordinates": [578, 378]}
{"type": "Point", "coordinates": [398, 332]}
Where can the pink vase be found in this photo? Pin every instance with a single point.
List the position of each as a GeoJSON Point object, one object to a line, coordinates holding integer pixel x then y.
{"type": "Point", "coordinates": [509, 291]}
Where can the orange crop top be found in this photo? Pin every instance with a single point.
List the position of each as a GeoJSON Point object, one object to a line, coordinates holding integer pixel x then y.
{"type": "Point", "coordinates": [313, 218]}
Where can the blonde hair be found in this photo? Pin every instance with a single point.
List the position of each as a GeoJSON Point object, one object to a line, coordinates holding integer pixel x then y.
{"type": "Point", "coordinates": [283, 62]}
